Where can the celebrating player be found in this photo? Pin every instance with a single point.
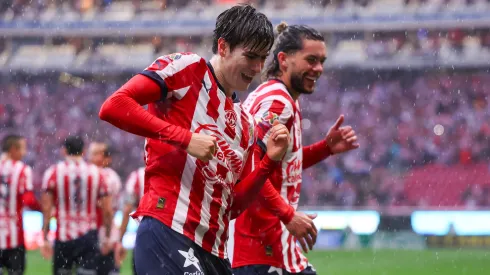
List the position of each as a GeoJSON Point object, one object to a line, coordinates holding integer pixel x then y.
{"type": "Point", "coordinates": [74, 189]}
{"type": "Point", "coordinates": [16, 191]}
{"type": "Point", "coordinates": [198, 146]}
{"type": "Point", "coordinates": [262, 244]}
{"type": "Point", "coordinates": [100, 155]}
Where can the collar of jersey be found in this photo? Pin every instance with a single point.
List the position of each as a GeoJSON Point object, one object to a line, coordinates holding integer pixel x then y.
{"type": "Point", "coordinates": [234, 97]}
{"type": "Point", "coordinates": [280, 81]}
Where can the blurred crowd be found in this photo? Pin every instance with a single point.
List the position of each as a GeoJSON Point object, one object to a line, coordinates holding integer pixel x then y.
{"type": "Point", "coordinates": [17, 7]}
{"type": "Point", "coordinates": [404, 119]}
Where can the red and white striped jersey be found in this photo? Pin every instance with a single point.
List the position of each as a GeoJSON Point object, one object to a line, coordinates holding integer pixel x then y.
{"type": "Point", "coordinates": [135, 186]}
{"type": "Point", "coordinates": [260, 237]}
{"type": "Point", "coordinates": [76, 187]}
{"type": "Point", "coordinates": [190, 196]}
{"type": "Point", "coordinates": [15, 180]}
{"type": "Point", "coordinates": [114, 185]}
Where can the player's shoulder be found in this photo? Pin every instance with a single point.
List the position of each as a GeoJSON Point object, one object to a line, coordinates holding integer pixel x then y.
{"type": "Point", "coordinates": [180, 59]}
{"type": "Point", "coordinates": [273, 90]}
{"type": "Point", "coordinates": [140, 170]}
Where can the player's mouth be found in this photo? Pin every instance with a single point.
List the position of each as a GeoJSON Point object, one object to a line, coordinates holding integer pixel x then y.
{"type": "Point", "coordinates": [310, 80]}
{"type": "Point", "coordinates": [247, 78]}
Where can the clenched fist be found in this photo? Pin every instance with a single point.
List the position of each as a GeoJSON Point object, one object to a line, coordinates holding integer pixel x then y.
{"type": "Point", "coordinates": [278, 141]}
{"type": "Point", "coordinates": [202, 147]}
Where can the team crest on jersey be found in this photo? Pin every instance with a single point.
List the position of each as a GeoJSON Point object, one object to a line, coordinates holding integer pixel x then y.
{"type": "Point", "coordinates": [231, 118]}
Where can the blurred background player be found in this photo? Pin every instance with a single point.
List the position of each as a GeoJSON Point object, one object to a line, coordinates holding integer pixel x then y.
{"type": "Point", "coordinates": [74, 189]}
{"type": "Point", "coordinates": [199, 144]}
{"type": "Point", "coordinates": [262, 245]}
{"type": "Point", "coordinates": [16, 191]}
{"type": "Point", "coordinates": [135, 186]}
{"type": "Point", "coordinates": [100, 154]}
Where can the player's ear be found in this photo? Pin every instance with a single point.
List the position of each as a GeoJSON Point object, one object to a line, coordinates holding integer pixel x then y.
{"type": "Point", "coordinates": [222, 47]}
{"type": "Point", "coordinates": [282, 59]}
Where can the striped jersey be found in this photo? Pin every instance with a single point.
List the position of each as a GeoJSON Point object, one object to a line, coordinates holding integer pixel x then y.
{"type": "Point", "coordinates": [260, 237]}
{"type": "Point", "coordinates": [15, 180]}
{"type": "Point", "coordinates": [192, 197]}
{"type": "Point", "coordinates": [135, 186]}
{"type": "Point", "coordinates": [76, 187]}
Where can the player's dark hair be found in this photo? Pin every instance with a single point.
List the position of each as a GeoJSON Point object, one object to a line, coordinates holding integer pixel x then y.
{"type": "Point", "coordinates": [289, 40]}
{"type": "Point", "coordinates": [10, 141]}
{"type": "Point", "coordinates": [74, 145]}
{"type": "Point", "coordinates": [109, 150]}
{"type": "Point", "coordinates": [244, 25]}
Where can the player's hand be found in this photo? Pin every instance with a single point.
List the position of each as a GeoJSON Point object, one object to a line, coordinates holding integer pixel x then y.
{"type": "Point", "coordinates": [120, 254]}
{"type": "Point", "coordinates": [106, 247]}
{"type": "Point", "coordinates": [202, 147]}
{"type": "Point", "coordinates": [303, 228]}
{"type": "Point", "coordinates": [341, 139]}
{"type": "Point", "coordinates": [278, 141]}
{"type": "Point", "coordinates": [46, 250]}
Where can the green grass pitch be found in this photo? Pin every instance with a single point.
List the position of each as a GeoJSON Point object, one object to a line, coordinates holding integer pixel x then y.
{"type": "Point", "coordinates": [365, 262]}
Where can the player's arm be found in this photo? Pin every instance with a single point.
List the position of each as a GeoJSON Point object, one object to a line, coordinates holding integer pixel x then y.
{"type": "Point", "coordinates": [26, 190]}
{"type": "Point", "coordinates": [129, 203]}
{"type": "Point", "coordinates": [105, 202]}
{"type": "Point", "coordinates": [315, 153]}
{"type": "Point", "coordinates": [247, 189]}
{"type": "Point", "coordinates": [47, 199]}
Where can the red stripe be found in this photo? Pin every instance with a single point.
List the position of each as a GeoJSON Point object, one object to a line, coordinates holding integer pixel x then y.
{"type": "Point", "coordinates": [90, 209]}
{"type": "Point", "coordinates": [256, 105]}
{"type": "Point", "coordinates": [245, 130]}
{"type": "Point", "coordinates": [195, 202]}
{"type": "Point", "coordinates": [290, 255]}
{"type": "Point", "coordinates": [68, 200]}
{"type": "Point", "coordinates": [213, 103]}
{"type": "Point", "coordinates": [298, 258]}
{"type": "Point", "coordinates": [210, 237]}
{"type": "Point", "coordinates": [224, 236]}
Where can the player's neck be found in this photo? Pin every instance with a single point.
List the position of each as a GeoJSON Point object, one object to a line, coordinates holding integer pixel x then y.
{"type": "Point", "coordinates": [7, 156]}
{"type": "Point", "coordinates": [219, 75]}
{"type": "Point", "coordinates": [287, 83]}
{"type": "Point", "coordinates": [74, 158]}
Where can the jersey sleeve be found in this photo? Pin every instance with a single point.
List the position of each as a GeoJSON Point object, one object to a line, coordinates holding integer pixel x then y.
{"type": "Point", "coordinates": [25, 180]}
{"type": "Point", "coordinates": [49, 180]}
{"type": "Point", "coordinates": [173, 72]}
{"type": "Point", "coordinates": [103, 187]}
{"type": "Point", "coordinates": [271, 108]}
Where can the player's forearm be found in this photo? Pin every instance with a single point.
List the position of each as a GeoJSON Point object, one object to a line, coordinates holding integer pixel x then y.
{"type": "Point", "coordinates": [47, 204]}
{"type": "Point", "coordinates": [315, 153]}
{"type": "Point", "coordinates": [270, 199]}
{"type": "Point", "coordinates": [125, 220]}
{"type": "Point", "coordinates": [29, 200]}
{"type": "Point", "coordinates": [246, 190]}
{"type": "Point", "coordinates": [124, 110]}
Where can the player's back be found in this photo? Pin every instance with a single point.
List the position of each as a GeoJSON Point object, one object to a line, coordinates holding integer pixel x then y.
{"type": "Point", "coordinates": [15, 179]}
{"type": "Point", "coordinates": [76, 187]}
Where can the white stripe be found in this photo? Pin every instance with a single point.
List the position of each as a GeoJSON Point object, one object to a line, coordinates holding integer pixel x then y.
{"type": "Point", "coordinates": [284, 243]}
{"type": "Point", "coordinates": [28, 179]}
{"type": "Point", "coordinates": [131, 183]}
{"type": "Point", "coordinates": [82, 212]}
{"type": "Point", "coordinates": [73, 225]}
{"type": "Point", "coordinates": [14, 242]}
{"type": "Point", "coordinates": [275, 86]}
{"type": "Point", "coordinates": [60, 179]}
{"type": "Point", "coordinates": [223, 207]}
{"type": "Point", "coordinates": [294, 266]}
{"type": "Point", "coordinates": [183, 201]}
{"type": "Point", "coordinates": [8, 175]}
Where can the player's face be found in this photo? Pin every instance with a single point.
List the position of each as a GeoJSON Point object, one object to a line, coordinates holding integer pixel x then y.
{"type": "Point", "coordinates": [19, 151]}
{"type": "Point", "coordinates": [242, 65]}
{"type": "Point", "coordinates": [96, 154]}
{"type": "Point", "coordinates": [306, 66]}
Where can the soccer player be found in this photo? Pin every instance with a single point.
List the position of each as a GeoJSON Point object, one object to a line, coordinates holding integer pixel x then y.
{"type": "Point", "coordinates": [100, 155]}
{"type": "Point", "coordinates": [74, 188]}
{"type": "Point", "coordinates": [16, 191]}
{"type": "Point", "coordinates": [262, 245]}
{"type": "Point", "coordinates": [199, 144]}
{"type": "Point", "coordinates": [133, 194]}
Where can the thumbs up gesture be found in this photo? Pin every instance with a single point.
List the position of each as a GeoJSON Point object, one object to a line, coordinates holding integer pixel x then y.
{"type": "Point", "coordinates": [341, 139]}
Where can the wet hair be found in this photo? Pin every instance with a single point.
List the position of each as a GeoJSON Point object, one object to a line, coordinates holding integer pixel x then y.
{"type": "Point", "coordinates": [244, 25]}
{"type": "Point", "coordinates": [10, 141]}
{"type": "Point", "coordinates": [74, 145]}
{"type": "Point", "coordinates": [289, 40]}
